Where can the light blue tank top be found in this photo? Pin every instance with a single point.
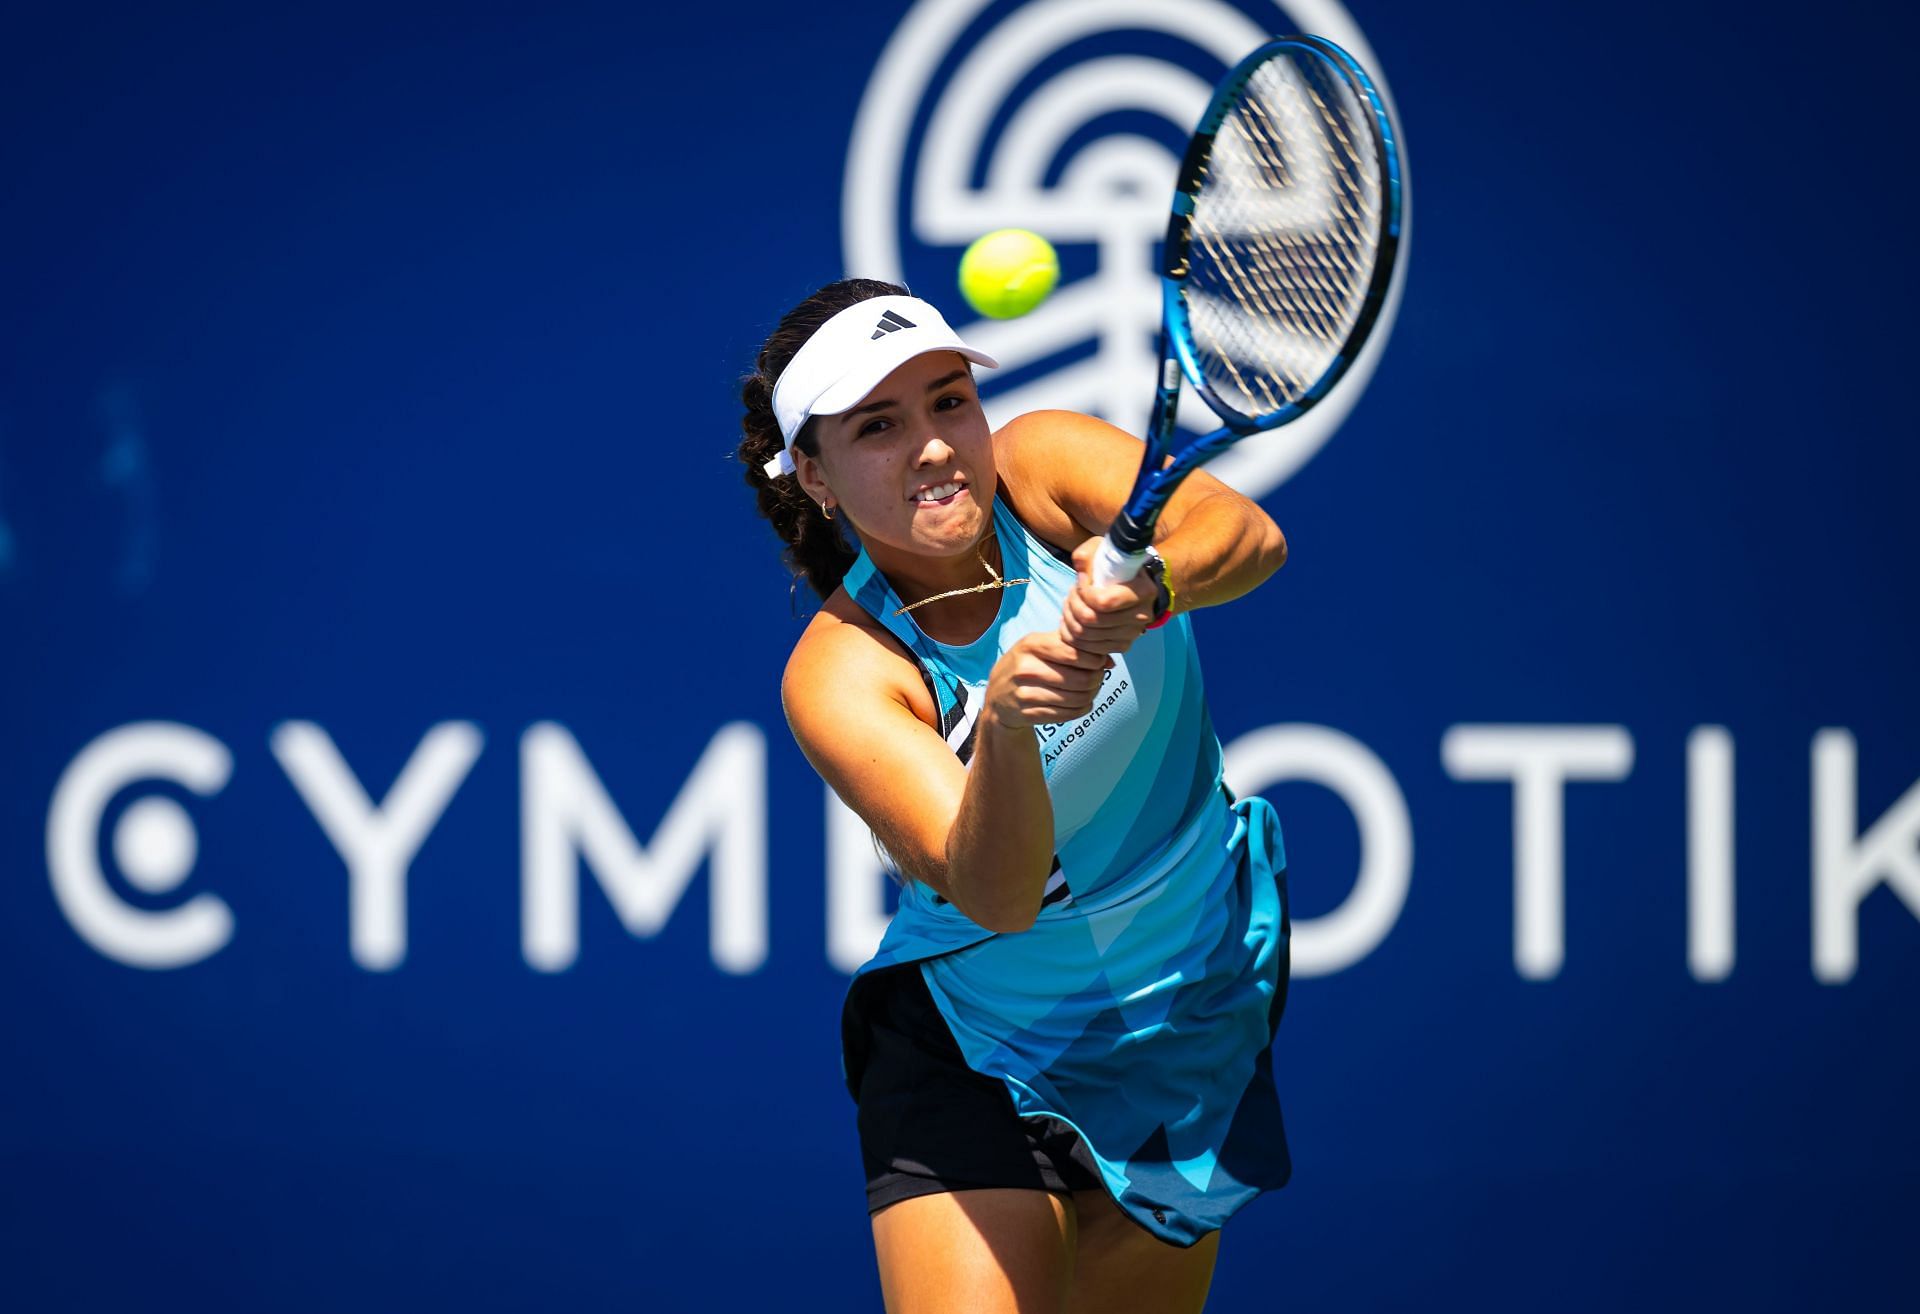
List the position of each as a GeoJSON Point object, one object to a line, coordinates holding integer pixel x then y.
{"type": "Point", "coordinates": [1138, 1009]}
{"type": "Point", "coordinates": [1125, 780]}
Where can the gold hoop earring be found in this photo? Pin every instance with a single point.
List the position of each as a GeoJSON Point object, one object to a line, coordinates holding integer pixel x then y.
{"type": "Point", "coordinates": [825, 512]}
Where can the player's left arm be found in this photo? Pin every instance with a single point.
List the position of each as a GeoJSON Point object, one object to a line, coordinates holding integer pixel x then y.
{"type": "Point", "coordinates": [1217, 544]}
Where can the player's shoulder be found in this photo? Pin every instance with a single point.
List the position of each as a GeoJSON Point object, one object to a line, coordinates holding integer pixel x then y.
{"type": "Point", "coordinates": [1039, 438]}
{"type": "Point", "coordinates": [1058, 465]}
{"type": "Point", "coordinates": [844, 659]}
{"type": "Point", "coordinates": [841, 640]}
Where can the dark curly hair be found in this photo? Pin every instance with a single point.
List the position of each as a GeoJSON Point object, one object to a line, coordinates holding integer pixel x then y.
{"type": "Point", "coordinates": [816, 550]}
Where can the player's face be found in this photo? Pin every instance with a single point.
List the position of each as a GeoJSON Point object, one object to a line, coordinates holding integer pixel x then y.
{"type": "Point", "coordinates": [921, 430]}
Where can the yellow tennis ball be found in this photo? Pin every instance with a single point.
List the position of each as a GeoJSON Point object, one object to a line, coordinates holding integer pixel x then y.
{"type": "Point", "coordinates": [1008, 272]}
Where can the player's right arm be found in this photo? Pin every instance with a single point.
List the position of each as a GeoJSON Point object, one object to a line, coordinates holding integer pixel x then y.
{"type": "Point", "coordinates": [981, 834]}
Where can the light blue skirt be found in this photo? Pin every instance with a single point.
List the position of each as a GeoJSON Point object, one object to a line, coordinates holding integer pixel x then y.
{"type": "Point", "coordinates": [1143, 1016]}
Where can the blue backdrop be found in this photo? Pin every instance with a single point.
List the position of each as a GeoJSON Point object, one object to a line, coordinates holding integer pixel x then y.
{"type": "Point", "coordinates": [410, 896]}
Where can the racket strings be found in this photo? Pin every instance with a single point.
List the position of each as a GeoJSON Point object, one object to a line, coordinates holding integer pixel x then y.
{"type": "Point", "coordinates": [1286, 235]}
{"type": "Point", "coordinates": [1301, 278]}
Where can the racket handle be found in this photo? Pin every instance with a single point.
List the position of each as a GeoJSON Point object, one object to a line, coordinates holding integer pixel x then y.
{"type": "Point", "coordinates": [1112, 566]}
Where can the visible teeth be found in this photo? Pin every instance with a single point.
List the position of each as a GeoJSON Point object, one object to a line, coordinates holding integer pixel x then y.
{"type": "Point", "coordinates": [935, 494]}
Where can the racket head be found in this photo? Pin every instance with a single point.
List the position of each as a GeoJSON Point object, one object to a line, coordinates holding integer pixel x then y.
{"type": "Point", "coordinates": [1286, 222]}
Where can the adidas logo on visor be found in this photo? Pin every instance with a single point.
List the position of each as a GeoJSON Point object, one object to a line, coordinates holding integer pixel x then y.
{"type": "Point", "coordinates": [890, 323]}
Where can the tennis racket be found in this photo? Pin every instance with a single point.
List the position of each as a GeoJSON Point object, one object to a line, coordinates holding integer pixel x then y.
{"type": "Point", "coordinates": [1286, 220]}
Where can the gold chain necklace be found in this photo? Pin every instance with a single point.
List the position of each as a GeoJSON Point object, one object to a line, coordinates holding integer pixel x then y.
{"type": "Point", "coordinates": [995, 583]}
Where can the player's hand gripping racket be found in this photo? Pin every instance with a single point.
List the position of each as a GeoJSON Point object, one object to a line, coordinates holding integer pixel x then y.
{"type": "Point", "coordinates": [1286, 220]}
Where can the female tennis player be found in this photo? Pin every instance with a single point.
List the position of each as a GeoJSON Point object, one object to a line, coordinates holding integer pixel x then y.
{"type": "Point", "coordinates": [1061, 1052]}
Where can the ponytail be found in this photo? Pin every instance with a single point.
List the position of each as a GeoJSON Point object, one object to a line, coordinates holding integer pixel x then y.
{"type": "Point", "coordinates": [816, 550]}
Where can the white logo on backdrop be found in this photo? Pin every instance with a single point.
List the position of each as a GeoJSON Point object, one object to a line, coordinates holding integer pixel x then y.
{"type": "Point", "coordinates": [1111, 194]}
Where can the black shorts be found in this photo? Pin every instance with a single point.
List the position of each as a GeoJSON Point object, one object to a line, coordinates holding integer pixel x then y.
{"type": "Point", "coordinates": [928, 1122]}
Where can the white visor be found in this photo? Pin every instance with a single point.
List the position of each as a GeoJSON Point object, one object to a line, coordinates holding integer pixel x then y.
{"type": "Point", "coordinates": [849, 355]}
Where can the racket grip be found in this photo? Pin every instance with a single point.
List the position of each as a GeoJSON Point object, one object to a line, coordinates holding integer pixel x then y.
{"type": "Point", "coordinates": [1112, 566]}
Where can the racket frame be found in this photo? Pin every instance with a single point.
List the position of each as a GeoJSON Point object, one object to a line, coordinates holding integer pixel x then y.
{"type": "Point", "coordinates": [1164, 465]}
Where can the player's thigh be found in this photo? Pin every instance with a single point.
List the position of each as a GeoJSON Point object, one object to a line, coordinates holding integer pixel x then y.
{"type": "Point", "coordinates": [1120, 1267]}
{"type": "Point", "coordinates": [988, 1251]}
